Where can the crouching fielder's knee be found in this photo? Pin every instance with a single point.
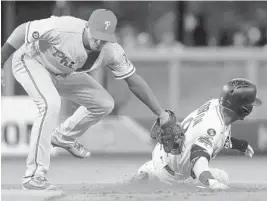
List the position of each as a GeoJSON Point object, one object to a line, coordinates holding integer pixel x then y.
{"type": "Point", "coordinates": [147, 171]}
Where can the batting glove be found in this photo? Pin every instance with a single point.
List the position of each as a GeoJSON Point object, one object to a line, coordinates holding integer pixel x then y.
{"type": "Point", "coordinates": [214, 184]}
{"type": "Point", "coordinates": [249, 152]}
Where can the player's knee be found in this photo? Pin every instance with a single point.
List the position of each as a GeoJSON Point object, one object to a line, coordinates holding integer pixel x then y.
{"type": "Point", "coordinates": [106, 104]}
{"type": "Point", "coordinates": [48, 105]}
{"type": "Point", "coordinates": [146, 169]}
{"type": "Point", "coordinates": [53, 104]}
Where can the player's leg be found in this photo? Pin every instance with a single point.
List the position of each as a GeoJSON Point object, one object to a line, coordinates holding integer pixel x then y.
{"type": "Point", "coordinates": [155, 168]}
{"type": "Point", "coordinates": [146, 171]}
{"type": "Point", "coordinates": [161, 161]}
{"type": "Point", "coordinates": [37, 82]}
{"type": "Point", "coordinates": [95, 103]}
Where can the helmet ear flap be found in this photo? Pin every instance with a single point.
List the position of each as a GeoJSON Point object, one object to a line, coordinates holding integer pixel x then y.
{"type": "Point", "coordinates": [245, 110]}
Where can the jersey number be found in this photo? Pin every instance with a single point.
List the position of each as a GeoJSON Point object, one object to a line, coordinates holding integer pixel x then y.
{"type": "Point", "coordinates": [186, 124]}
{"type": "Point", "coordinates": [201, 112]}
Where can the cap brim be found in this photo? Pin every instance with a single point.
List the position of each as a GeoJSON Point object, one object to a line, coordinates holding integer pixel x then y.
{"type": "Point", "coordinates": [103, 36]}
{"type": "Point", "coordinates": [257, 102]}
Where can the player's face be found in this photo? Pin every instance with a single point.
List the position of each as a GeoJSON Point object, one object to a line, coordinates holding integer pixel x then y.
{"type": "Point", "coordinates": [95, 44]}
{"type": "Point", "coordinates": [245, 111]}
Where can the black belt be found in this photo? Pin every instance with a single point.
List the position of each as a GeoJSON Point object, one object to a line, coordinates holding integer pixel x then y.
{"type": "Point", "coordinates": [169, 170]}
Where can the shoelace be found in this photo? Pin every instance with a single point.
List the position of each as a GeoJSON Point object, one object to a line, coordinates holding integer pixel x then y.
{"type": "Point", "coordinates": [78, 146]}
{"type": "Point", "coordinates": [40, 179]}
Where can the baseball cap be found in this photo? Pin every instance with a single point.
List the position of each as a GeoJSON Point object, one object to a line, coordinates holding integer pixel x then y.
{"type": "Point", "coordinates": [102, 24]}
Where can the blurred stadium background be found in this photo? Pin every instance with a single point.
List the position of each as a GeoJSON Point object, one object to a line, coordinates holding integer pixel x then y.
{"type": "Point", "coordinates": [184, 50]}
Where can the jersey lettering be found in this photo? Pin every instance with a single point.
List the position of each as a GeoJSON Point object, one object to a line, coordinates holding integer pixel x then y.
{"type": "Point", "coordinates": [185, 125]}
{"type": "Point", "coordinates": [62, 58]}
{"type": "Point", "coordinates": [206, 141]}
{"type": "Point", "coordinates": [201, 113]}
{"type": "Point", "coordinates": [198, 119]}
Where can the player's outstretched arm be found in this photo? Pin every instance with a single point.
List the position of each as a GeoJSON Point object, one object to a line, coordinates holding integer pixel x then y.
{"type": "Point", "coordinates": [242, 146]}
{"type": "Point", "coordinates": [142, 91]}
{"type": "Point", "coordinates": [199, 157]}
{"type": "Point", "coordinates": [202, 171]}
{"type": "Point", "coordinates": [115, 58]}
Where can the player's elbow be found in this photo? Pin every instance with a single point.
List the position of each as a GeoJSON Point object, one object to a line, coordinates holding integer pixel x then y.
{"type": "Point", "coordinates": [197, 152]}
{"type": "Point", "coordinates": [134, 80]}
{"type": "Point", "coordinates": [200, 166]}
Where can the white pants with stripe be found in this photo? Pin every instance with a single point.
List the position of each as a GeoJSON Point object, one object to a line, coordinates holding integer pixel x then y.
{"type": "Point", "coordinates": [155, 168]}
{"type": "Point", "coordinates": [46, 91]}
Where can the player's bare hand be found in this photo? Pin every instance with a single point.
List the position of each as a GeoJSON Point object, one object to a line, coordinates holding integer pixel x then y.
{"type": "Point", "coordinates": [249, 152]}
{"type": "Point", "coordinates": [164, 117]}
{"type": "Point", "coordinates": [2, 77]}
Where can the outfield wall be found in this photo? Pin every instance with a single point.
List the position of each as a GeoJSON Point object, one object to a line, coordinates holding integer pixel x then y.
{"type": "Point", "coordinates": [182, 80]}
{"type": "Point", "coordinates": [114, 134]}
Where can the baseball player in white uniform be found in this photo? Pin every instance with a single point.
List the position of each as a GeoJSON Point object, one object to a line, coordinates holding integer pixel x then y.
{"type": "Point", "coordinates": [54, 58]}
{"type": "Point", "coordinates": [207, 131]}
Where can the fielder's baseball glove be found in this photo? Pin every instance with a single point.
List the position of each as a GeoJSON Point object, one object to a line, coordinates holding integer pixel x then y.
{"type": "Point", "coordinates": [170, 134]}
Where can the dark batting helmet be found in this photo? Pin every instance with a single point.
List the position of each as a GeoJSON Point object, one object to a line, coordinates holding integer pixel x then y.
{"type": "Point", "coordinates": [239, 95]}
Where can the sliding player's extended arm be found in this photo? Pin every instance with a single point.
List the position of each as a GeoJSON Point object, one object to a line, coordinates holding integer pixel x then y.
{"type": "Point", "coordinates": [201, 153]}
{"type": "Point", "coordinates": [242, 146]}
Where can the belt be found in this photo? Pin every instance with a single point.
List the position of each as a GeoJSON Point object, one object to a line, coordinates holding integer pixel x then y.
{"type": "Point", "coordinates": [169, 170]}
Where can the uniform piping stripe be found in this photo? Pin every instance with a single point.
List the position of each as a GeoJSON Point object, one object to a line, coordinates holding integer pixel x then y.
{"type": "Point", "coordinates": [27, 32]}
{"type": "Point", "coordinates": [45, 113]}
{"type": "Point", "coordinates": [126, 75]}
{"type": "Point", "coordinates": [219, 115]}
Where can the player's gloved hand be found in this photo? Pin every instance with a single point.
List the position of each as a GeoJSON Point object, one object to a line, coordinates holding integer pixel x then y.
{"type": "Point", "coordinates": [249, 151]}
{"type": "Point", "coordinates": [168, 133]}
{"type": "Point", "coordinates": [164, 117]}
{"type": "Point", "coordinates": [214, 184]}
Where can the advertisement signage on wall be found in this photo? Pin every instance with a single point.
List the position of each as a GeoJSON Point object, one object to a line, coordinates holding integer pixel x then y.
{"type": "Point", "coordinates": [113, 134]}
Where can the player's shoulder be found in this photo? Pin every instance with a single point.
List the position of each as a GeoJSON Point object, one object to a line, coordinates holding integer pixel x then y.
{"type": "Point", "coordinates": [213, 117]}
{"type": "Point", "coordinates": [113, 51]}
{"type": "Point", "coordinates": [69, 24]}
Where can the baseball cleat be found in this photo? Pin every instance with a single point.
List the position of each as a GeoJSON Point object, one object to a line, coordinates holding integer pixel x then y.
{"type": "Point", "coordinates": [38, 183]}
{"type": "Point", "coordinates": [74, 148]}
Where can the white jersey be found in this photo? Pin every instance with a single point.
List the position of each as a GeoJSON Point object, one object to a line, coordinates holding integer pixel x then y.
{"type": "Point", "coordinates": [57, 43]}
{"type": "Point", "coordinates": [205, 128]}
